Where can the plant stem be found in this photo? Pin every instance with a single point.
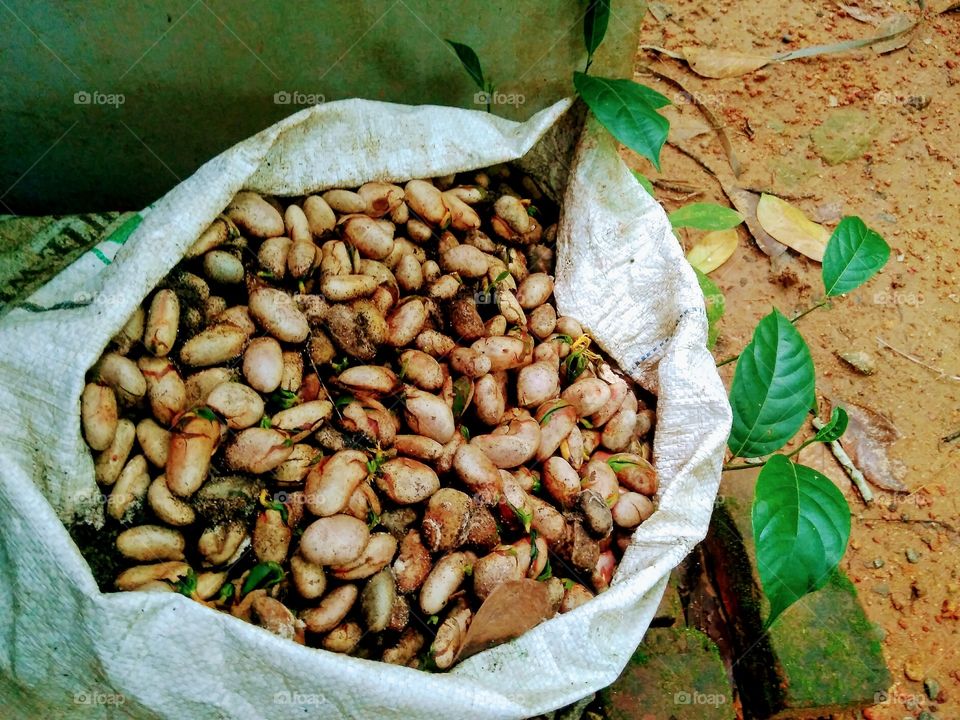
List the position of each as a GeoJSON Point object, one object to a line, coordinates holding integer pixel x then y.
{"type": "Point", "coordinates": [840, 454]}
{"type": "Point", "coordinates": [809, 310]}
{"type": "Point", "coordinates": [586, 68]}
{"type": "Point", "coordinates": [811, 441]}
{"type": "Point", "coordinates": [741, 466]}
{"type": "Point", "coordinates": [796, 317]}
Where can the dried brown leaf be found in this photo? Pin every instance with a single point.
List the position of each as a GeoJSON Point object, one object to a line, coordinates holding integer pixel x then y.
{"type": "Point", "coordinates": [713, 63]}
{"type": "Point", "coordinates": [867, 439]}
{"type": "Point", "coordinates": [713, 250]}
{"type": "Point", "coordinates": [745, 202]}
{"type": "Point", "coordinates": [897, 27]}
{"type": "Point", "coordinates": [509, 611]}
{"type": "Point", "coordinates": [790, 226]}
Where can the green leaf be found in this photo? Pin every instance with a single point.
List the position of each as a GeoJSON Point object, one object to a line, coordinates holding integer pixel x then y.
{"type": "Point", "coordinates": [470, 62]}
{"type": "Point", "coordinates": [262, 575]}
{"type": "Point", "coordinates": [705, 216]}
{"type": "Point", "coordinates": [644, 181]}
{"type": "Point", "coordinates": [372, 519]}
{"type": "Point", "coordinates": [628, 110]}
{"type": "Point", "coordinates": [465, 432]}
{"type": "Point", "coordinates": [343, 400]}
{"type": "Point", "coordinates": [568, 583]}
{"type": "Point", "coordinates": [801, 524]}
{"type": "Point", "coordinates": [534, 552]}
{"type": "Point", "coordinates": [595, 25]}
{"type": "Point", "coordinates": [835, 428]}
{"type": "Point", "coordinates": [564, 339]}
{"type": "Point", "coordinates": [773, 388]}
{"type": "Point", "coordinates": [266, 422]}
{"type": "Point", "coordinates": [854, 254]}
{"type": "Point", "coordinates": [715, 305]}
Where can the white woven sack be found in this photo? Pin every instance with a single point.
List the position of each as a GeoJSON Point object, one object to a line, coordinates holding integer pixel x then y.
{"type": "Point", "coordinates": [71, 651]}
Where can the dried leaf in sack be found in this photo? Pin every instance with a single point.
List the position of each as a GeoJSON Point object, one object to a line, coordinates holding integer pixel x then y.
{"type": "Point", "coordinates": [509, 611]}
{"type": "Point", "coordinates": [717, 64]}
{"type": "Point", "coordinates": [867, 439]}
{"type": "Point", "coordinates": [713, 250]}
{"type": "Point", "coordinates": [790, 226]}
{"type": "Point", "coordinates": [746, 202]}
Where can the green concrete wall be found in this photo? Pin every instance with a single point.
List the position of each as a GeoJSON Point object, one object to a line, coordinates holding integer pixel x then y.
{"type": "Point", "coordinates": [106, 105]}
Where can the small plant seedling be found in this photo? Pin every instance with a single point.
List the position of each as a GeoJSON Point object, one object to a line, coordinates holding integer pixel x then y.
{"type": "Point", "coordinates": [471, 63]}
{"type": "Point", "coordinates": [801, 521]}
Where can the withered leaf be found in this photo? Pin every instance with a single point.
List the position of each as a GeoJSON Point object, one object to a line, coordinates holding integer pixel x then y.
{"type": "Point", "coordinates": [509, 611]}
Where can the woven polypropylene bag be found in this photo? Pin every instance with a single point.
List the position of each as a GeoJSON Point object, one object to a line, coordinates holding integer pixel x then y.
{"type": "Point", "coordinates": [70, 650]}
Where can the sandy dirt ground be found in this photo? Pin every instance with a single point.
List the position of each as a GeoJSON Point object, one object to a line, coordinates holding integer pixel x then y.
{"type": "Point", "coordinates": [904, 552]}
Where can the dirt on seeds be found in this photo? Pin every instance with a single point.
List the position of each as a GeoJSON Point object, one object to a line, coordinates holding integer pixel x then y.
{"type": "Point", "coordinates": [904, 552]}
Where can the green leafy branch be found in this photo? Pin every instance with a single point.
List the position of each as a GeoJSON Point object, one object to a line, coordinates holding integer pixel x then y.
{"type": "Point", "coordinates": [801, 521]}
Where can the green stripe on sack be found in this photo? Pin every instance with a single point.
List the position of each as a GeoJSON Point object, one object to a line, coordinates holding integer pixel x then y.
{"type": "Point", "coordinates": [120, 235]}
{"type": "Point", "coordinates": [123, 233]}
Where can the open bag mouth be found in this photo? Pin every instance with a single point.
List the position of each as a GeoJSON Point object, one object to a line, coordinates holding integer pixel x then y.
{"type": "Point", "coordinates": [619, 270]}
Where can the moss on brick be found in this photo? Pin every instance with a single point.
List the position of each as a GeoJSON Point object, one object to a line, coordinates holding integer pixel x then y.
{"type": "Point", "coordinates": [675, 673]}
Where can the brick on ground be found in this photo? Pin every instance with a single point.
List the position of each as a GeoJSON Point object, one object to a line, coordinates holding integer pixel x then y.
{"type": "Point", "coordinates": [677, 673]}
{"type": "Point", "coordinates": [821, 656]}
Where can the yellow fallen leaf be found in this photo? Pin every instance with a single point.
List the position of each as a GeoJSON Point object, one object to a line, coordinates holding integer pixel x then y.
{"type": "Point", "coordinates": [713, 250]}
{"type": "Point", "coordinates": [790, 226]}
{"type": "Point", "coordinates": [942, 6]}
{"type": "Point", "coordinates": [713, 63]}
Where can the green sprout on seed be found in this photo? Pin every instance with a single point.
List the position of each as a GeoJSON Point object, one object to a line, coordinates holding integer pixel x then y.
{"type": "Point", "coordinates": [546, 418]}
{"type": "Point", "coordinates": [524, 516]}
{"type": "Point", "coordinates": [547, 572]}
{"type": "Point", "coordinates": [186, 585]}
{"type": "Point", "coordinates": [620, 464]}
{"type": "Point", "coordinates": [261, 576]}
{"type": "Point", "coordinates": [226, 592]}
{"type": "Point", "coordinates": [284, 399]}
